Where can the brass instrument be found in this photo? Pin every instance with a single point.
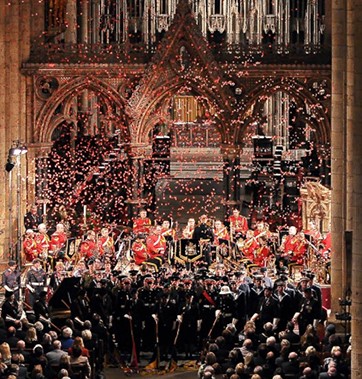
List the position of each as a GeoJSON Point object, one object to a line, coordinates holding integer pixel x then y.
{"type": "Point", "coordinates": [240, 243]}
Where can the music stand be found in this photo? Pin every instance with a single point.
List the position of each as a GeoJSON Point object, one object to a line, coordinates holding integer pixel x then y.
{"type": "Point", "coordinates": [223, 249]}
{"type": "Point", "coordinates": [188, 251]}
{"type": "Point", "coordinates": [71, 247]}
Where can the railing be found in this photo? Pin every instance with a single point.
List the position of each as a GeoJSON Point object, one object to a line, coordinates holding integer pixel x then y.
{"type": "Point", "coordinates": [141, 53]}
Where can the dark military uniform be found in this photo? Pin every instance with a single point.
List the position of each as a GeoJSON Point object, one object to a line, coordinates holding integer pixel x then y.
{"type": "Point", "coordinates": [80, 307]}
{"type": "Point", "coordinates": [167, 313]}
{"type": "Point", "coordinates": [147, 306]}
{"type": "Point", "coordinates": [256, 293]}
{"type": "Point", "coordinates": [267, 310]}
{"type": "Point", "coordinates": [227, 306]}
{"type": "Point", "coordinates": [207, 306]}
{"type": "Point", "coordinates": [41, 310]}
{"type": "Point", "coordinates": [11, 281]}
{"type": "Point", "coordinates": [35, 283]}
{"type": "Point", "coordinates": [205, 233]}
{"type": "Point", "coordinates": [309, 312]}
{"type": "Point", "coordinates": [188, 336]}
{"type": "Point", "coordinates": [241, 300]}
{"type": "Point", "coordinates": [286, 309]}
{"type": "Point", "coordinates": [124, 298]}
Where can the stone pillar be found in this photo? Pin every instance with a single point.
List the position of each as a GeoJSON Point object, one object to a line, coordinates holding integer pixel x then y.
{"type": "Point", "coordinates": [338, 153]}
{"type": "Point", "coordinates": [354, 132]}
{"type": "Point", "coordinates": [15, 46]}
{"type": "Point", "coordinates": [85, 20]}
{"type": "Point", "coordinates": [71, 22]}
{"type": "Point", "coordinates": [37, 21]}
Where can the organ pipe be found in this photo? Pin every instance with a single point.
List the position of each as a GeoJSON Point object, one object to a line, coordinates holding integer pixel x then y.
{"type": "Point", "coordinates": [112, 21]}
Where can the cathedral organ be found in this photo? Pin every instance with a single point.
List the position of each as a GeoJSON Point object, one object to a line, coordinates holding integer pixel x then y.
{"type": "Point", "coordinates": [254, 24]}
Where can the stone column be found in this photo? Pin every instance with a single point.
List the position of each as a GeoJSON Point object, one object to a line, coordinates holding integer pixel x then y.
{"type": "Point", "coordinates": [37, 21]}
{"type": "Point", "coordinates": [15, 46]}
{"type": "Point", "coordinates": [85, 20]}
{"type": "Point", "coordinates": [338, 153]}
{"type": "Point", "coordinates": [71, 22]}
{"type": "Point", "coordinates": [354, 170]}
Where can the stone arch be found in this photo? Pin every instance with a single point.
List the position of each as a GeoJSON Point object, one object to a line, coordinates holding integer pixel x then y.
{"type": "Point", "coordinates": [301, 93]}
{"type": "Point", "coordinates": [167, 90]}
{"type": "Point", "coordinates": [46, 124]}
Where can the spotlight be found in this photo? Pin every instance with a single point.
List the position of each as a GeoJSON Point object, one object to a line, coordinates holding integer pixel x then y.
{"type": "Point", "coordinates": [18, 150]}
{"type": "Point", "coordinates": [9, 166]}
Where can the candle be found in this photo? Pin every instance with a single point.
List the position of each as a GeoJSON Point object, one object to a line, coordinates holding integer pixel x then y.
{"type": "Point", "coordinates": [85, 213]}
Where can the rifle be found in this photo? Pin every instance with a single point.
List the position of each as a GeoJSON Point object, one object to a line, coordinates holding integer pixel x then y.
{"type": "Point", "coordinates": [213, 325]}
{"type": "Point", "coordinates": [154, 365]}
{"type": "Point", "coordinates": [171, 366]}
{"type": "Point", "coordinates": [134, 360]}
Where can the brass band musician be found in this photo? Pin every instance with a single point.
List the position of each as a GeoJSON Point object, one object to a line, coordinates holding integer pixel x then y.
{"type": "Point", "coordinates": [88, 248]}
{"type": "Point", "coordinates": [248, 246]}
{"type": "Point", "coordinates": [142, 224]}
{"type": "Point", "coordinates": [220, 232]}
{"type": "Point", "coordinates": [58, 241]}
{"type": "Point", "coordinates": [42, 241]}
{"type": "Point", "coordinates": [238, 224]}
{"type": "Point", "coordinates": [139, 249]}
{"type": "Point", "coordinates": [106, 244]}
{"type": "Point", "coordinates": [167, 231]}
{"type": "Point", "coordinates": [30, 246]}
{"type": "Point", "coordinates": [156, 247]}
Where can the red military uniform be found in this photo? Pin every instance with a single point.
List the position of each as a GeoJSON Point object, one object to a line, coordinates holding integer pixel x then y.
{"type": "Point", "coordinates": [249, 248]}
{"type": "Point", "coordinates": [156, 245]}
{"type": "Point", "coordinates": [106, 246]}
{"type": "Point", "coordinates": [42, 242]}
{"type": "Point", "coordinates": [58, 241]}
{"type": "Point", "coordinates": [290, 245]}
{"type": "Point", "coordinates": [169, 233]}
{"type": "Point", "coordinates": [261, 254]}
{"type": "Point", "coordinates": [88, 249]}
{"type": "Point", "coordinates": [30, 248]}
{"type": "Point", "coordinates": [140, 252]}
{"type": "Point", "coordinates": [221, 234]}
{"type": "Point", "coordinates": [238, 224]}
{"type": "Point", "coordinates": [300, 250]}
{"type": "Point", "coordinates": [142, 225]}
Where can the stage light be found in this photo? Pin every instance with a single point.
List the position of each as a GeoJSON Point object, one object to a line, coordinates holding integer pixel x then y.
{"type": "Point", "coordinates": [18, 150]}
{"type": "Point", "coordinates": [9, 165]}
